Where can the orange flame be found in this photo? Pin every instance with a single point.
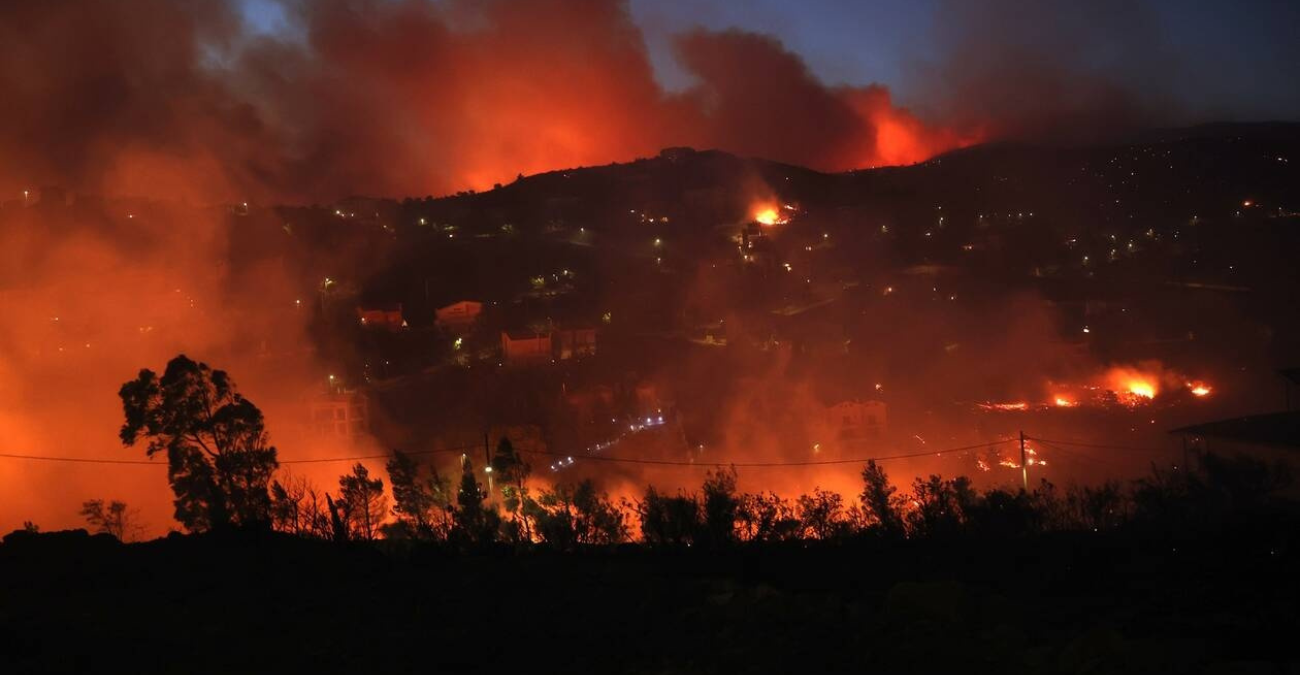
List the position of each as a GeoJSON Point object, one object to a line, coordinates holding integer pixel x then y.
{"type": "Point", "coordinates": [1134, 385]}
{"type": "Point", "coordinates": [767, 214]}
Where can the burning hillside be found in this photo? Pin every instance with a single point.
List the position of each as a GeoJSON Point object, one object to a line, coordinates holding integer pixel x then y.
{"type": "Point", "coordinates": [1129, 386]}
{"type": "Point", "coordinates": [356, 99]}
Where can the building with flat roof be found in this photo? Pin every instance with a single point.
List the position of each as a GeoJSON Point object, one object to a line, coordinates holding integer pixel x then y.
{"type": "Point", "coordinates": [343, 414]}
{"type": "Point", "coordinates": [525, 347]}
{"type": "Point", "coordinates": [458, 316]}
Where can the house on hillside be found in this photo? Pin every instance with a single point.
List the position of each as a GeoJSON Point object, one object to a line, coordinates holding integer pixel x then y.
{"type": "Point", "coordinates": [857, 420]}
{"type": "Point", "coordinates": [1271, 437]}
{"type": "Point", "coordinates": [525, 347]}
{"type": "Point", "coordinates": [458, 317]}
{"type": "Point", "coordinates": [341, 414]}
{"type": "Point", "coordinates": [384, 317]}
{"type": "Point", "coordinates": [575, 342]}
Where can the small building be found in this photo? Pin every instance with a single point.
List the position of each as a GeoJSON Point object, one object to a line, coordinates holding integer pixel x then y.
{"type": "Point", "coordinates": [342, 414]}
{"type": "Point", "coordinates": [458, 316]}
{"type": "Point", "coordinates": [385, 317]}
{"type": "Point", "coordinates": [857, 419]}
{"type": "Point", "coordinates": [591, 405]}
{"type": "Point", "coordinates": [525, 347]}
{"type": "Point", "coordinates": [574, 342]}
{"type": "Point", "coordinates": [647, 398]}
{"type": "Point", "coordinates": [1270, 437]}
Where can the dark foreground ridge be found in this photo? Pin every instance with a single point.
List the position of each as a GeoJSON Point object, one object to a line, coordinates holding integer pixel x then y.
{"type": "Point", "coordinates": [1129, 601]}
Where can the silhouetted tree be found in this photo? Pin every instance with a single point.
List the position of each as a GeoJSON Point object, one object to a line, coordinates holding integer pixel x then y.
{"type": "Point", "coordinates": [569, 516]}
{"type": "Point", "coordinates": [297, 508]}
{"type": "Point", "coordinates": [363, 500]}
{"type": "Point", "coordinates": [113, 518]}
{"type": "Point", "coordinates": [555, 517]}
{"type": "Point", "coordinates": [938, 510]}
{"type": "Point", "coordinates": [669, 521]}
{"type": "Point", "coordinates": [600, 521]}
{"type": "Point", "coordinates": [822, 515]}
{"type": "Point", "coordinates": [879, 503]}
{"type": "Point", "coordinates": [1095, 508]}
{"type": "Point", "coordinates": [338, 520]}
{"type": "Point", "coordinates": [721, 507]}
{"type": "Point", "coordinates": [1222, 486]}
{"type": "Point", "coordinates": [511, 471]}
{"type": "Point", "coordinates": [474, 523]}
{"type": "Point", "coordinates": [218, 460]}
{"type": "Point", "coordinates": [1001, 513]}
{"type": "Point", "coordinates": [766, 518]}
{"type": "Point", "coordinates": [421, 499]}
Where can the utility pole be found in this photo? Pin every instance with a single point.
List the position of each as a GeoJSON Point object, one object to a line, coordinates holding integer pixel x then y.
{"type": "Point", "coordinates": [1024, 464]}
{"type": "Point", "coordinates": [487, 458]}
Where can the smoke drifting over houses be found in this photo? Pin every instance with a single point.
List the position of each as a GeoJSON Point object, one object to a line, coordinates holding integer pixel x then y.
{"type": "Point", "coordinates": [186, 100]}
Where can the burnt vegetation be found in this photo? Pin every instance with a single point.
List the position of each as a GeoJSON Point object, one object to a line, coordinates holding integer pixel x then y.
{"type": "Point", "coordinates": [1175, 572]}
{"type": "Point", "coordinates": [427, 552]}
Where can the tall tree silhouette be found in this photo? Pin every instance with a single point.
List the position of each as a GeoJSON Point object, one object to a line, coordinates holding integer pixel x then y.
{"type": "Point", "coordinates": [879, 500]}
{"type": "Point", "coordinates": [113, 518]}
{"type": "Point", "coordinates": [420, 502]}
{"type": "Point", "coordinates": [364, 502]}
{"type": "Point", "coordinates": [219, 462]}
{"type": "Point", "coordinates": [511, 470]}
{"type": "Point", "coordinates": [476, 522]}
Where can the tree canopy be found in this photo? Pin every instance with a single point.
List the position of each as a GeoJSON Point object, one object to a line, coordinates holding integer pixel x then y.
{"type": "Point", "coordinates": [219, 460]}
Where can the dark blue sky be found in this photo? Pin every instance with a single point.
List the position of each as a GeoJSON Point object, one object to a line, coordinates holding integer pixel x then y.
{"type": "Point", "coordinates": [1229, 55]}
{"type": "Point", "coordinates": [1213, 58]}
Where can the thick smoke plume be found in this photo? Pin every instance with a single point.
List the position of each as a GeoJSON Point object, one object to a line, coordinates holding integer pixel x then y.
{"type": "Point", "coordinates": [397, 98]}
{"type": "Point", "coordinates": [92, 296]}
{"type": "Point", "coordinates": [183, 101]}
{"type": "Point", "coordinates": [413, 97]}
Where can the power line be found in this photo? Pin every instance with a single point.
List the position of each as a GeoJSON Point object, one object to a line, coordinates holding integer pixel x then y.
{"type": "Point", "coordinates": [859, 460]}
{"type": "Point", "coordinates": [1078, 457]}
{"type": "Point", "coordinates": [1100, 446]}
{"type": "Point", "coordinates": [314, 460]}
{"type": "Point", "coordinates": [599, 458]}
{"type": "Point", "coordinates": [82, 460]}
{"type": "Point", "coordinates": [459, 448]}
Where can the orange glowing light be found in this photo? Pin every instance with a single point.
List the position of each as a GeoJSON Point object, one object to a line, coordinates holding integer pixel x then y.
{"type": "Point", "coordinates": [1199, 388]}
{"type": "Point", "coordinates": [1142, 388]}
{"type": "Point", "coordinates": [1136, 385]}
{"type": "Point", "coordinates": [769, 215]}
{"type": "Point", "coordinates": [1062, 402]}
{"type": "Point", "coordinates": [1018, 405]}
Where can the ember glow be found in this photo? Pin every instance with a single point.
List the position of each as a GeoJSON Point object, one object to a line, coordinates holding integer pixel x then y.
{"type": "Point", "coordinates": [1141, 388]}
{"type": "Point", "coordinates": [1134, 385]}
{"type": "Point", "coordinates": [108, 270]}
{"type": "Point", "coordinates": [1131, 386]}
{"type": "Point", "coordinates": [1005, 407]}
{"type": "Point", "coordinates": [770, 215]}
{"type": "Point", "coordinates": [407, 98]}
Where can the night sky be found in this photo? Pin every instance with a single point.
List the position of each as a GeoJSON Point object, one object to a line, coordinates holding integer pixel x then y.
{"type": "Point", "coordinates": [1236, 59]}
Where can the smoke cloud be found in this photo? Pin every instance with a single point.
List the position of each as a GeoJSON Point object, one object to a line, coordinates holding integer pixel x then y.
{"type": "Point", "coordinates": [182, 100]}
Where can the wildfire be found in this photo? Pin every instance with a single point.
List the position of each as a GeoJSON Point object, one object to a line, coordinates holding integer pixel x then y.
{"type": "Point", "coordinates": [1142, 388]}
{"type": "Point", "coordinates": [1005, 407]}
{"type": "Point", "coordinates": [1131, 386]}
{"type": "Point", "coordinates": [770, 215]}
{"type": "Point", "coordinates": [1135, 385]}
